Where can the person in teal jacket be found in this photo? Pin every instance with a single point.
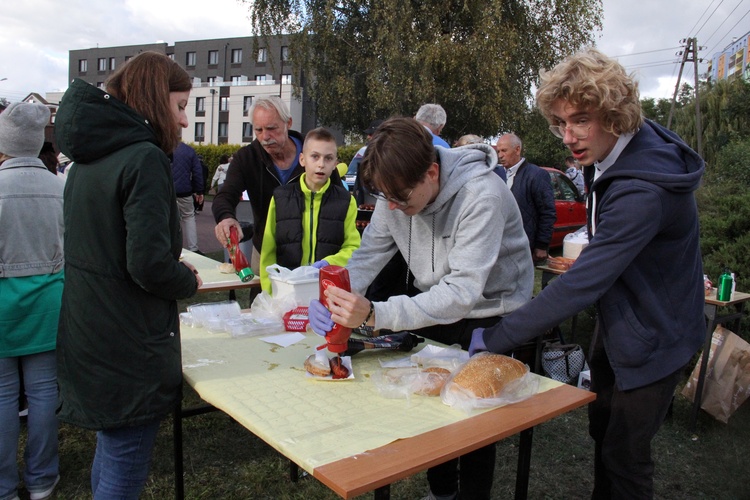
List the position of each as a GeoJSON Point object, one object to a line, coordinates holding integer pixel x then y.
{"type": "Point", "coordinates": [118, 345]}
{"type": "Point", "coordinates": [312, 221]}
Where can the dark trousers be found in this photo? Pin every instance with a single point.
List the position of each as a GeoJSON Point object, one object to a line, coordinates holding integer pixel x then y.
{"type": "Point", "coordinates": [472, 472]}
{"type": "Point", "coordinates": [623, 423]}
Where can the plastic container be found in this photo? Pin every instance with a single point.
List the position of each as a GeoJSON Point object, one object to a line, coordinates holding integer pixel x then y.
{"type": "Point", "coordinates": [249, 326]}
{"type": "Point", "coordinates": [303, 290]}
{"type": "Point", "coordinates": [207, 314]}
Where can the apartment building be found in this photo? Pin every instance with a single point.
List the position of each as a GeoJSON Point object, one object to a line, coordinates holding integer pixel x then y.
{"type": "Point", "coordinates": [734, 59]}
{"type": "Point", "coordinates": [228, 74]}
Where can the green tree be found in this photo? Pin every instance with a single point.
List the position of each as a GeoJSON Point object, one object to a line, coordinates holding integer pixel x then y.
{"type": "Point", "coordinates": [539, 145]}
{"type": "Point", "coordinates": [657, 111]}
{"type": "Point", "coordinates": [377, 58]}
{"type": "Point", "coordinates": [725, 116]}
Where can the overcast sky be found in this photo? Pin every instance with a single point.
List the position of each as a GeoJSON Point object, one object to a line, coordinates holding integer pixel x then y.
{"type": "Point", "coordinates": [36, 35]}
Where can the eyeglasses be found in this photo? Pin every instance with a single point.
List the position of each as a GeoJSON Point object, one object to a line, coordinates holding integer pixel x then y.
{"type": "Point", "coordinates": [400, 203]}
{"type": "Point", "coordinates": [578, 130]}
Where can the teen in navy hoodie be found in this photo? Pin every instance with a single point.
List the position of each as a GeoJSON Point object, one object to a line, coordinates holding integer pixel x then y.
{"type": "Point", "coordinates": [642, 267]}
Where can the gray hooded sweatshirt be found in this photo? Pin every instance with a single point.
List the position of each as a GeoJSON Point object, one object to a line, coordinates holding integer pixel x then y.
{"type": "Point", "coordinates": [467, 250]}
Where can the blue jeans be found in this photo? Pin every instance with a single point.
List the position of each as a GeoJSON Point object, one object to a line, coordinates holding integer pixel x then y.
{"type": "Point", "coordinates": [40, 455]}
{"type": "Point", "coordinates": [122, 460]}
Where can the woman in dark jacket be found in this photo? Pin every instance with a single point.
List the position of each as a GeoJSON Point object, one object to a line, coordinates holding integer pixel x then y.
{"type": "Point", "coordinates": [118, 344]}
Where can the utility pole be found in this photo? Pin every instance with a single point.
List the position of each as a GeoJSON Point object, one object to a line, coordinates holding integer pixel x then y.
{"type": "Point", "coordinates": [689, 54]}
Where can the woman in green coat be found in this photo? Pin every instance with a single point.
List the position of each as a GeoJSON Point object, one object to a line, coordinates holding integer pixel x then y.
{"type": "Point", "coordinates": [119, 342]}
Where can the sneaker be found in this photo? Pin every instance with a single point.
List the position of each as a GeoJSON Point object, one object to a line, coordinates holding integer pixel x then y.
{"type": "Point", "coordinates": [41, 495]}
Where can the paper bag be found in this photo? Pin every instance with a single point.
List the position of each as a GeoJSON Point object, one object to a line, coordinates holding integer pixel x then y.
{"type": "Point", "coordinates": [727, 382]}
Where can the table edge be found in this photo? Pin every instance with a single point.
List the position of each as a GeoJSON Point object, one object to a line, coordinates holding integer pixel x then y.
{"type": "Point", "coordinates": [358, 474]}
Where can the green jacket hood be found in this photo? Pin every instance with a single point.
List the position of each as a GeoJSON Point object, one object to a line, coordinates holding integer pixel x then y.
{"type": "Point", "coordinates": [91, 123]}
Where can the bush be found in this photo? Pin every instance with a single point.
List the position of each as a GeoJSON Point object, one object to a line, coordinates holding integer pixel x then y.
{"type": "Point", "coordinates": [724, 212]}
{"type": "Point", "coordinates": [211, 154]}
{"type": "Point", "coordinates": [346, 153]}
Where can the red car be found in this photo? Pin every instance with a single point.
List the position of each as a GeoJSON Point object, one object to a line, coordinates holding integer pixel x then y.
{"type": "Point", "coordinates": [569, 205]}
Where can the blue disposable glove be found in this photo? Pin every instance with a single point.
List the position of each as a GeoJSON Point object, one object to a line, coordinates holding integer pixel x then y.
{"type": "Point", "coordinates": [320, 264]}
{"type": "Point", "coordinates": [477, 342]}
{"type": "Point", "coordinates": [319, 317]}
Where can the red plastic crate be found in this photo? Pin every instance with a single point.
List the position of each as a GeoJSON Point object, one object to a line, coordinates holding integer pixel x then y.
{"type": "Point", "coordinates": [296, 320]}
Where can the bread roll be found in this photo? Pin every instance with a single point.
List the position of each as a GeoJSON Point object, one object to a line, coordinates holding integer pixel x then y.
{"type": "Point", "coordinates": [486, 375]}
{"type": "Point", "coordinates": [431, 381]}
{"type": "Point", "coordinates": [316, 367]}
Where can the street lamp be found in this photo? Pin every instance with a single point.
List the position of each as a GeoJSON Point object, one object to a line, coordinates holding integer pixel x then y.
{"type": "Point", "coordinates": [281, 70]}
{"type": "Point", "coordinates": [213, 96]}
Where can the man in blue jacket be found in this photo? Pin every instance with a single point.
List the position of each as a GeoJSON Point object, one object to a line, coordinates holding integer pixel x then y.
{"type": "Point", "coordinates": [642, 267]}
{"type": "Point", "coordinates": [187, 174]}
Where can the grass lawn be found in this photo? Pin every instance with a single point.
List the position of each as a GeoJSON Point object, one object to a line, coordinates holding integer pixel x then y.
{"type": "Point", "coordinates": [223, 460]}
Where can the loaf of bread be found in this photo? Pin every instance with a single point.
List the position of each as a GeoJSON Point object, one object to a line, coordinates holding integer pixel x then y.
{"type": "Point", "coordinates": [485, 375]}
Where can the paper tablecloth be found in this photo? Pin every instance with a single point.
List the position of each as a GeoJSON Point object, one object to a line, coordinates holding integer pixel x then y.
{"type": "Point", "coordinates": [312, 422]}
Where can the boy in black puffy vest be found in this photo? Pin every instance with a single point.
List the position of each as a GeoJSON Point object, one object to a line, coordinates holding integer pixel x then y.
{"type": "Point", "coordinates": [313, 221]}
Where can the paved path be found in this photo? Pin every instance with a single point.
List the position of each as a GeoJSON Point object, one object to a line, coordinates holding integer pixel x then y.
{"type": "Point", "coordinates": [204, 221]}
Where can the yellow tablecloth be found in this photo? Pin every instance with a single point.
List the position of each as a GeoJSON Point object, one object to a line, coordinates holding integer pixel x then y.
{"type": "Point", "coordinates": [265, 388]}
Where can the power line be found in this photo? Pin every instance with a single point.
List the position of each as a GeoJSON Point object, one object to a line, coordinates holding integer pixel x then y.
{"type": "Point", "coordinates": [699, 19]}
{"type": "Point", "coordinates": [709, 17]}
{"type": "Point", "coordinates": [724, 21]}
{"type": "Point", "coordinates": [718, 44]}
{"type": "Point", "coordinates": [647, 52]}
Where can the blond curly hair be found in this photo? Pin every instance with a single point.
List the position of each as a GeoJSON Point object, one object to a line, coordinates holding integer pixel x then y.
{"type": "Point", "coordinates": [593, 81]}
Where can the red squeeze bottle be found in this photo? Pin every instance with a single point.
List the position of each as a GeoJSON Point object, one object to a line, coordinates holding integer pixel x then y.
{"type": "Point", "coordinates": [241, 266]}
{"type": "Point", "coordinates": [336, 339]}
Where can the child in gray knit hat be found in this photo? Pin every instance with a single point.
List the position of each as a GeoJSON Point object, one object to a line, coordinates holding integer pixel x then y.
{"type": "Point", "coordinates": [31, 284]}
{"type": "Point", "coordinates": [22, 129]}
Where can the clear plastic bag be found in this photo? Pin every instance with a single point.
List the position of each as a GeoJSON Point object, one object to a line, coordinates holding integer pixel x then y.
{"type": "Point", "coordinates": [211, 314]}
{"type": "Point", "coordinates": [484, 379]}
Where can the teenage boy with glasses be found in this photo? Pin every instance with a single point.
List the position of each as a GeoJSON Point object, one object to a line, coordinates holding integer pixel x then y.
{"type": "Point", "coordinates": [460, 232]}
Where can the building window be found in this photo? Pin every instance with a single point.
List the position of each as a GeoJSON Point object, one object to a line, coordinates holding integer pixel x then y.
{"type": "Point", "coordinates": [236, 56]}
{"type": "Point", "coordinates": [83, 65]}
{"type": "Point", "coordinates": [101, 64]}
{"type": "Point", "coordinates": [171, 56]}
{"type": "Point", "coordinates": [200, 131]}
{"type": "Point", "coordinates": [260, 79]}
{"type": "Point", "coordinates": [112, 64]}
{"type": "Point", "coordinates": [223, 129]}
{"type": "Point", "coordinates": [211, 81]}
{"type": "Point", "coordinates": [262, 55]}
{"type": "Point", "coordinates": [213, 57]}
{"type": "Point", "coordinates": [200, 106]}
{"type": "Point", "coordinates": [100, 85]}
{"type": "Point", "coordinates": [247, 102]}
{"type": "Point", "coordinates": [286, 79]}
{"type": "Point", "coordinates": [224, 103]}
{"type": "Point", "coordinates": [247, 132]}
{"type": "Point", "coordinates": [236, 80]}
{"type": "Point", "coordinates": [190, 59]}
{"type": "Point", "coordinates": [284, 53]}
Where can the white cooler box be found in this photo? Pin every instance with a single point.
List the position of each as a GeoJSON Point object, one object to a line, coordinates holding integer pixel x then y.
{"type": "Point", "coordinates": [300, 283]}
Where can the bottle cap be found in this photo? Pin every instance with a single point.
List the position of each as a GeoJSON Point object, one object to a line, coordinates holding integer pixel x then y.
{"type": "Point", "coordinates": [245, 274]}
